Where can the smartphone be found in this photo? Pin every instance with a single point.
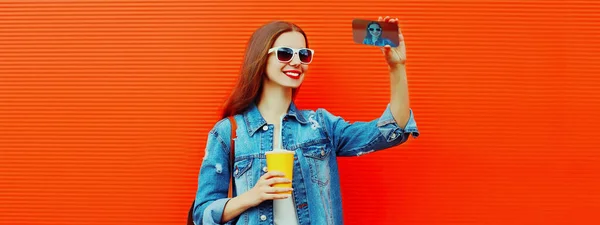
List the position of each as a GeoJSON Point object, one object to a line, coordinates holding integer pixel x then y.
{"type": "Point", "coordinates": [375, 33]}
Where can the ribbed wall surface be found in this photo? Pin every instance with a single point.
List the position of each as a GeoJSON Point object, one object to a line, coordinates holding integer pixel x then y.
{"type": "Point", "coordinates": [105, 107]}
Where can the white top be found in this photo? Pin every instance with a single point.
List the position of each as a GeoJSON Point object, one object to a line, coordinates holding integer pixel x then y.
{"type": "Point", "coordinates": [284, 210]}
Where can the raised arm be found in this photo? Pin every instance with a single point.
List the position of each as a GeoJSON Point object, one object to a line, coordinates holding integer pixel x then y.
{"type": "Point", "coordinates": [394, 126]}
{"type": "Point", "coordinates": [396, 58]}
{"type": "Point", "coordinates": [358, 138]}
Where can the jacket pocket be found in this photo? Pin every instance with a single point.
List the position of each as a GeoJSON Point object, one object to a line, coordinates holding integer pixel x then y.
{"type": "Point", "coordinates": [241, 171]}
{"type": "Point", "coordinates": [317, 158]}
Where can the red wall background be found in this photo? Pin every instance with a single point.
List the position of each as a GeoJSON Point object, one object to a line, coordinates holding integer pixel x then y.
{"type": "Point", "coordinates": [105, 107]}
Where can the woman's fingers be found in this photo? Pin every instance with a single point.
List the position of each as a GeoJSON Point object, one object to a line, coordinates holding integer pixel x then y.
{"type": "Point", "coordinates": [276, 196]}
{"type": "Point", "coordinates": [271, 174]}
{"type": "Point", "coordinates": [388, 19]}
{"type": "Point", "coordinates": [272, 181]}
{"type": "Point", "coordinates": [274, 190]}
{"type": "Point", "coordinates": [386, 49]}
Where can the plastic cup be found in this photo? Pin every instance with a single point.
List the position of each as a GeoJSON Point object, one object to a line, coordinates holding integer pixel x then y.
{"type": "Point", "coordinates": [282, 161]}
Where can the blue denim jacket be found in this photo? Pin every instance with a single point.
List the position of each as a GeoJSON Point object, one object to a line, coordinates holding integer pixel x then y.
{"type": "Point", "coordinates": [380, 42]}
{"type": "Point", "coordinates": [317, 139]}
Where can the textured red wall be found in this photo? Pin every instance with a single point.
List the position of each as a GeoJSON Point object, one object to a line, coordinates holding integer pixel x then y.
{"type": "Point", "coordinates": [105, 107]}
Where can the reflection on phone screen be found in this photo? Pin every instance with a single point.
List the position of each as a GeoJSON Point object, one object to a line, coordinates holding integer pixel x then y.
{"type": "Point", "coordinates": [375, 33]}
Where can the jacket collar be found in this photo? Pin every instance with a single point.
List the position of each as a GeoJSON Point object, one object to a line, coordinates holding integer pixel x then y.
{"type": "Point", "coordinates": [254, 120]}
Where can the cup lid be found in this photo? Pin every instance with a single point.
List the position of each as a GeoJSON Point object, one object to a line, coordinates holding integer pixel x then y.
{"type": "Point", "coordinates": [280, 151]}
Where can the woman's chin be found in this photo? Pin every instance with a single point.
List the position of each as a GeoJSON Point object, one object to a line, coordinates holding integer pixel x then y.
{"type": "Point", "coordinates": [293, 83]}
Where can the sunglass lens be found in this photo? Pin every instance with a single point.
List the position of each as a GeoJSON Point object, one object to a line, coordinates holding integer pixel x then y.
{"type": "Point", "coordinates": [305, 55]}
{"type": "Point", "coordinates": [285, 54]}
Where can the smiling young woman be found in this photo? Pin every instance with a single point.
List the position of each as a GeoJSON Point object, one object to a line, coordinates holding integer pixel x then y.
{"type": "Point", "coordinates": [262, 104]}
{"type": "Point", "coordinates": [374, 36]}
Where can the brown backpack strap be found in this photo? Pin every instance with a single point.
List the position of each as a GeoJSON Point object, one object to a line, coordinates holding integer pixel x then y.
{"type": "Point", "coordinates": [232, 154]}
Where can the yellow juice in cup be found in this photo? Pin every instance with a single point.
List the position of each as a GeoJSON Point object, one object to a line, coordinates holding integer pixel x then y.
{"type": "Point", "coordinates": [282, 161]}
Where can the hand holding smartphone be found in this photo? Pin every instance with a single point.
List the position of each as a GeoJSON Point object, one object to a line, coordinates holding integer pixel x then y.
{"type": "Point", "coordinates": [375, 33]}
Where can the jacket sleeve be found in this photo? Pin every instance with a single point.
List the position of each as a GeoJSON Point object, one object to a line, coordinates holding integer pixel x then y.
{"type": "Point", "coordinates": [355, 139]}
{"type": "Point", "coordinates": [213, 181]}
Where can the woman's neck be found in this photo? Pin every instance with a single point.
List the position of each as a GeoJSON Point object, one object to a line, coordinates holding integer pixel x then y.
{"type": "Point", "coordinates": [274, 101]}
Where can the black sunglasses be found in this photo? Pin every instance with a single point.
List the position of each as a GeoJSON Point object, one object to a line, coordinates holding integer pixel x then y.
{"type": "Point", "coordinates": [372, 29]}
{"type": "Point", "coordinates": [286, 54]}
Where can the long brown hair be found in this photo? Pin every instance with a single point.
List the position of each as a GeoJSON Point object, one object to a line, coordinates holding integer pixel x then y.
{"type": "Point", "coordinates": [252, 73]}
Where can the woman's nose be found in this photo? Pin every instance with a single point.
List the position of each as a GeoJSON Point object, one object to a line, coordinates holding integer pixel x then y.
{"type": "Point", "coordinates": [295, 60]}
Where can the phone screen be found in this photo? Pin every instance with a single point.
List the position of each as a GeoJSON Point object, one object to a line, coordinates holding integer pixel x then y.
{"type": "Point", "coordinates": [375, 33]}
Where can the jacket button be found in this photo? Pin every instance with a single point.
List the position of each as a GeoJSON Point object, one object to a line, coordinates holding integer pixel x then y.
{"type": "Point", "coordinates": [322, 152]}
{"type": "Point", "coordinates": [265, 169]}
{"type": "Point", "coordinates": [265, 127]}
{"type": "Point", "coordinates": [263, 217]}
{"type": "Point", "coordinates": [393, 135]}
{"type": "Point", "coordinates": [236, 172]}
